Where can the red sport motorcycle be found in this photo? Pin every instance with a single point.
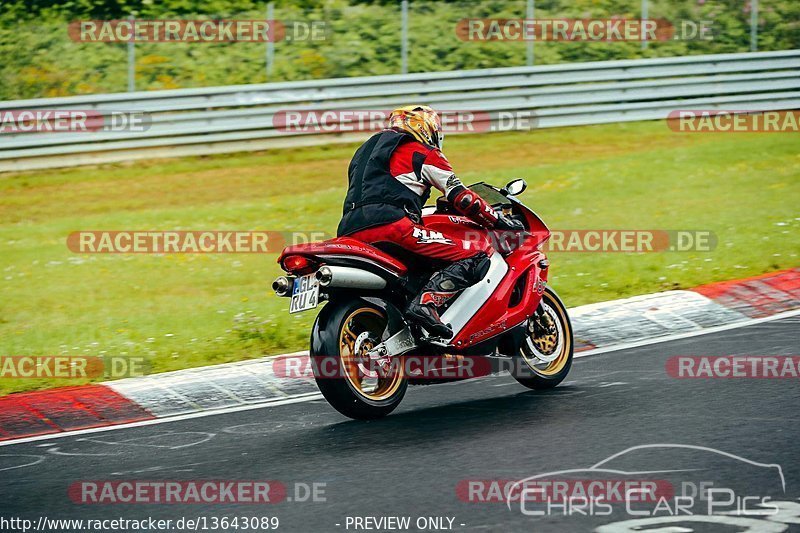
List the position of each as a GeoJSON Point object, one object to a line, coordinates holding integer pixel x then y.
{"type": "Point", "coordinates": [361, 343]}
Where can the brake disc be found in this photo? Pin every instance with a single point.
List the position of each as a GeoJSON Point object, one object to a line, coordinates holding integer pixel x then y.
{"type": "Point", "coordinates": [543, 341]}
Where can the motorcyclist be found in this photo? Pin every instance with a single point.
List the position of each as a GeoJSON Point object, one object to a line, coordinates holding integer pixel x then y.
{"type": "Point", "coordinates": [390, 177]}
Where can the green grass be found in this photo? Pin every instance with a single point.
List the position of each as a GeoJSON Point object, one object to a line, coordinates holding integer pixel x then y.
{"type": "Point", "coordinates": [189, 310]}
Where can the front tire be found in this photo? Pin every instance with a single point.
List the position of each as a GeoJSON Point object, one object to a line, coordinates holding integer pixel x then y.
{"type": "Point", "coordinates": [545, 357]}
{"type": "Point", "coordinates": [342, 335]}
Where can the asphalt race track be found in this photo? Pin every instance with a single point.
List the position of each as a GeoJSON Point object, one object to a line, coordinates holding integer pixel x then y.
{"type": "Point", "coordinates": [418, 463]}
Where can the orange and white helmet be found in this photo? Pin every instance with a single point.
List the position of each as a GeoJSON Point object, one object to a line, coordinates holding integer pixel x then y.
{"type": "Point", "coordinates": [420, 121]}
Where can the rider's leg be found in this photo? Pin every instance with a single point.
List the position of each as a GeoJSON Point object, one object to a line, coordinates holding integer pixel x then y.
{"type": "Point", "coordinates": [444, 285]}
{"type": "Point", "coordinates": [470, 259]}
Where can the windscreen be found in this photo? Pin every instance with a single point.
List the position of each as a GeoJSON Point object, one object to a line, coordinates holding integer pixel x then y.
{"type": "Point", "coordinates": [488, 193]}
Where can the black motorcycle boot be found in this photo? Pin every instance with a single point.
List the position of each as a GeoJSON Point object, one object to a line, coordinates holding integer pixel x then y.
{"type": "Point", "coordinates": [427, 316]}
{"type": "Point", "coordinates": [442, 287]}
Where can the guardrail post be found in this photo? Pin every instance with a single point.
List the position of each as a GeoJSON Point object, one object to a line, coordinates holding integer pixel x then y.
{"type": "Point", "coordinates": [753, 25]}
{"type": "Point", "coordinates": [131, 59]}
{"type": "Point", "coordinates": [404, 37]}
{"type": "Point", "coordinates": [531, 7]}
{"type": "Point", "coordinates": [644, 16]}
{"type": "Point", "coordinates": [270, 45]}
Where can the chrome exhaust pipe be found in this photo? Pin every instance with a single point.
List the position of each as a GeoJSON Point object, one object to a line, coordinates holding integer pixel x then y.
{"type": "Point", "coordinates": [282, 286]}
{"type": "Point", "coordinates": [341, 277]}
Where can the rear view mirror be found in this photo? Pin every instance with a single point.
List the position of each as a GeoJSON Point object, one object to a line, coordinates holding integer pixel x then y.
{"type": "Point", "coordinates": [516, 187]}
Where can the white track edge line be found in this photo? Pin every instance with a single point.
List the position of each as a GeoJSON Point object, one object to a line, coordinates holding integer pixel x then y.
{"type": "Point", "coordinates": [307, 397]}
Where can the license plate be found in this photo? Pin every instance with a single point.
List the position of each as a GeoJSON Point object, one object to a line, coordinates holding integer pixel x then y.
{"type": "Point", "coordinates": [305, 294]}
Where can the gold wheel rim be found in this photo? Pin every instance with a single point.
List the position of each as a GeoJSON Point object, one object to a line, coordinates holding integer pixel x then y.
{"type": "Point", "coordinates": [547, 343]}
{"type": "Point", "coordinates": [361, 332]}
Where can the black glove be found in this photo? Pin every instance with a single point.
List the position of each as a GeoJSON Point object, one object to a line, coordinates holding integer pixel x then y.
{"type": "Point", "coordinates": [506, 223]}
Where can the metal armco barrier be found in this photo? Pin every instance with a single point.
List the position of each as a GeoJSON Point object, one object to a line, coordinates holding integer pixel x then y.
{"type": "Point", "coordinates": [240, 118]}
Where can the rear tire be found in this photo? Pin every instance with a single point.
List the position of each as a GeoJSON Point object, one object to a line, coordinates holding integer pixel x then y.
{"type": "Point", "coordinates": [545, 358]}
{"type": "Point", "coordinates": [342, 334]}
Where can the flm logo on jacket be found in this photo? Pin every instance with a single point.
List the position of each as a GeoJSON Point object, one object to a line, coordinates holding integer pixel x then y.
{"type": "Point", "coordinates": [425, 236]}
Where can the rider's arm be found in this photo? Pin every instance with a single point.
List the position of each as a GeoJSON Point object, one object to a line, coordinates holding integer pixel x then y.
{"type": "Point", "coordinates": [437, 171]}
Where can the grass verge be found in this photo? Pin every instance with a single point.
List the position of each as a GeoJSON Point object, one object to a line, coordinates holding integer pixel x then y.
{"type": "Point", "coordinates": [180, 311]}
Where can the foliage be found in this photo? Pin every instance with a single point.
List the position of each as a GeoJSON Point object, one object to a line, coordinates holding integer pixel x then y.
{"type": "Point", "coordinates": [363, 38]}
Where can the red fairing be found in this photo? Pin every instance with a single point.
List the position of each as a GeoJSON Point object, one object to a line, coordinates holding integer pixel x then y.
{"type": "Point", "coordinates": [345, 246]}
{"type": "Point", "coordinates": [495, 317]}
{"type": "Point", "coordinates": [496, 312]}
{"type": "Point", "coordinates": [452, 223]}
{"type": "Point", "coordinates": [461, 228]}
{"type": "Point", "coordinates": [539, 232]}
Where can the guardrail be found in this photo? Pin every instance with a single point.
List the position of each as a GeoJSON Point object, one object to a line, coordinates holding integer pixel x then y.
{"type": "Point", "coordinates": [239, 118]}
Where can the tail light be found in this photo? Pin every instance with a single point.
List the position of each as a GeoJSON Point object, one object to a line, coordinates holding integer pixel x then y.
{"type": "Point", "coordinates": [298, 264]}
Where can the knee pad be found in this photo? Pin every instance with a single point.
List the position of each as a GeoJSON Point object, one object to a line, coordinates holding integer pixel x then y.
{"type": "Point", "coordinates": [479, 266]}
{"type": "Point", "coordinates": [465, 272]}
